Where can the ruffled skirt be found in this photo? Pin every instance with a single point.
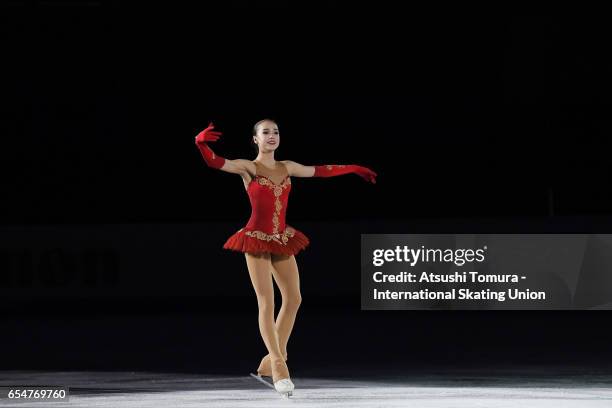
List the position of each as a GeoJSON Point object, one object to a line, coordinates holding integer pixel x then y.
{"type": "Point", "coordinates": [289, 242]}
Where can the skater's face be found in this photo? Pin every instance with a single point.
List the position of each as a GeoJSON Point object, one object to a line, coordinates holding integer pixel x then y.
{"type": "Point", "coordinates": [267, 137]}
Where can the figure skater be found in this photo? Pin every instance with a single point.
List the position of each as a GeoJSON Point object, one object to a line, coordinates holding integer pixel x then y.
{"type": "Point", "coordinates": [268, 243]}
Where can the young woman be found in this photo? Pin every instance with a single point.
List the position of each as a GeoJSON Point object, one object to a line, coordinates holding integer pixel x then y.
{"type": "Point", "coordinates": [268, 243]}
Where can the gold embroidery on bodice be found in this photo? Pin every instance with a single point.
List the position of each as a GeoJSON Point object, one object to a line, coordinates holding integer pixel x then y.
{"type": "Point", "coordinates": [277, 189]}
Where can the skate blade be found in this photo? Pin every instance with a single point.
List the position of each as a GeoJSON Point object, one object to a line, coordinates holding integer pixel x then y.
{"type": "Point", "coordinates": [260, 379]}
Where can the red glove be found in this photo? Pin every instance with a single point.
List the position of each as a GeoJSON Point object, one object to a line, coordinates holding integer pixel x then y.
{"type": "Point", "coordinates": [209, 135]}
{"type": "Point", "coordinates": [330, 170]}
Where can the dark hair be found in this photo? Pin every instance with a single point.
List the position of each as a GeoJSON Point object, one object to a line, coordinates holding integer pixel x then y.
{"type": "Point", "coordinates": [255, 132]}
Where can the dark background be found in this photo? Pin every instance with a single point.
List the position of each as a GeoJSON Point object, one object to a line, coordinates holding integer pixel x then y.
{"type": "Point", "coordinates": [474, 122]}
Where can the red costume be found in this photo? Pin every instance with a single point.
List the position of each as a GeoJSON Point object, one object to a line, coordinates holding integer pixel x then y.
{"type": "Point", "coordinates": [266, 230]}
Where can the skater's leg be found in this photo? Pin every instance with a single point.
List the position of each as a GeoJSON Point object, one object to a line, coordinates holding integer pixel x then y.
{"type": "Point", "coordinates": [285, 272]}
{"type": "Point", "coordinates": [260, 271]}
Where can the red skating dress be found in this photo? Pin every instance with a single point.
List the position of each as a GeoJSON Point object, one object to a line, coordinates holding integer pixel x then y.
{"type": "Point", "coordinates": [266, 230]}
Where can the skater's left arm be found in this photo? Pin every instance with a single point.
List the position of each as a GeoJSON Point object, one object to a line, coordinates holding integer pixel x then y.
{"type": "Point", "coordinates": [329, 170]}
{"type": "Point", "coordinates": [299, 170]}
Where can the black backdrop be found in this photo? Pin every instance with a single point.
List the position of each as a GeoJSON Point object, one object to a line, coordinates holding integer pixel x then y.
{"type": "Point", "coordinates": [478, 119]}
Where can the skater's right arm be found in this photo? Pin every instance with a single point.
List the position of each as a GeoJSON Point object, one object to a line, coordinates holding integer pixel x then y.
{"type": "Point", "coordinates": [238, 166]}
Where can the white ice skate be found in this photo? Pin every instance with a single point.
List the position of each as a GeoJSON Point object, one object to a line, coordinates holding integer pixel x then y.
{"type": "Point", "coordinates": [285, 387]}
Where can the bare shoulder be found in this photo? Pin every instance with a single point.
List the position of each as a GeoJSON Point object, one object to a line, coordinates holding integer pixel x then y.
{"type": "Point", "coordinates": [289, 165]}
{"type": "Point", "coordinates": [298, 170]}
{"type": "Point", "coordinates": [247, 165]}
